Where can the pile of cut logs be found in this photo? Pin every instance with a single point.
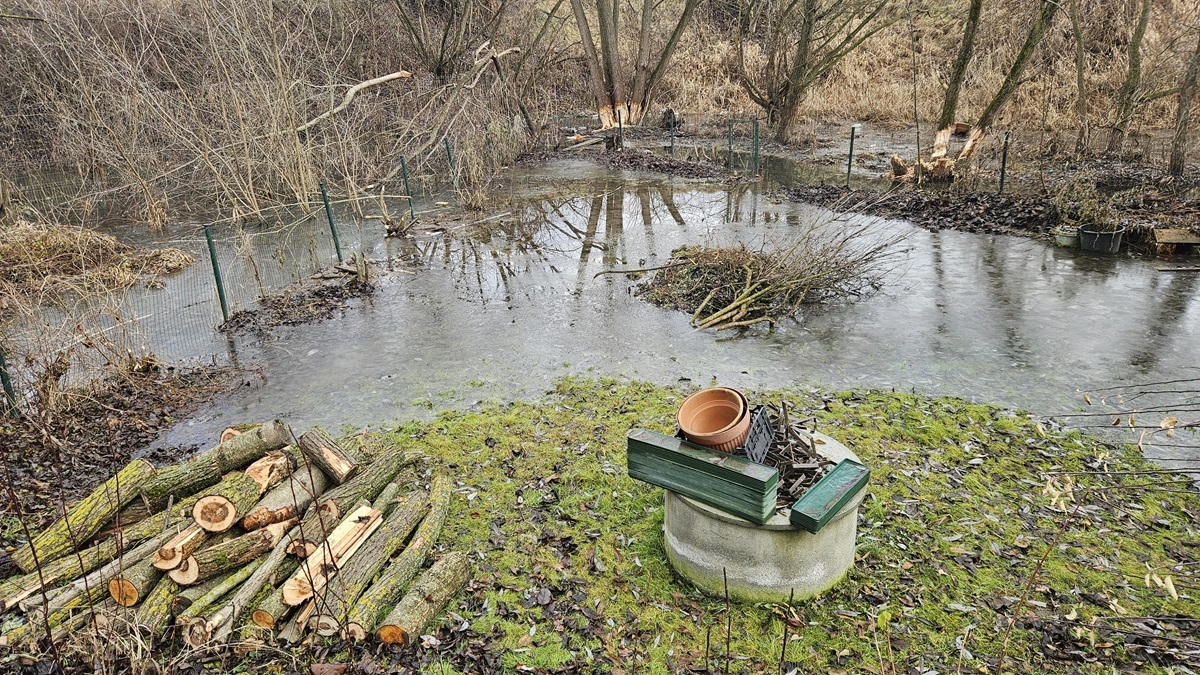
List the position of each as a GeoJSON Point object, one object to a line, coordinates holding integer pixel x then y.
{"type": "Point", "coordinates": [252, 539]}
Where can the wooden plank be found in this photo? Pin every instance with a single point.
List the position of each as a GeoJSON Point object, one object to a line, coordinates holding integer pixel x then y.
{"type": "Point", "coordinates": [829, 495]}
{"type": "Point", "coordinates": [732, 467]}
{"type": "Point", "coordinates": [1166, 267]}
{"type": "Point", "coordinates": [1175, 236]}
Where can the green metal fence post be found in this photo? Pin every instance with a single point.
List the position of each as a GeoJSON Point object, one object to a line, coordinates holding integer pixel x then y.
{"type": "Point", "coordinates": [1003, 162]}
{"type": "Point", "coordinates": [755, 147]}
{"type": "Point", "coordinates": [404, 170]}
{"type": "Point", "coordinates": [850, 158]}
{"type": "Point", "coordinates": [10, 394]}
{"type": "Point", "coordinates": [620, 132]}
{"type": "Point", "coordinates": [450, 159]}
{"type": "Point", "coordinates": [212, 255]}
{"type": "Point", "coordinates": [672, 133]}
{"type": "Point", "coordinates": [337, 245]}
{"type": "Point", "coordinates": [729, 157]}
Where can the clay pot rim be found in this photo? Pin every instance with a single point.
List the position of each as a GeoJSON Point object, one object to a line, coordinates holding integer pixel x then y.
{"type": "Point", "coordinates": [743, 406]}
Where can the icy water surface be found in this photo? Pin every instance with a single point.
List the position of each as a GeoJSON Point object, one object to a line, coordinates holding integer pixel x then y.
{"type": "Point", "coordinates": [504, 309]}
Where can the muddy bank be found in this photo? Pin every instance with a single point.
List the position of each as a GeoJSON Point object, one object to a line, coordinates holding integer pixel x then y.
{"type": "Point", "coordinates": [315, 299]}
{"type": "Point", "coordinates": [58, 455]}
{"type": "Point", "coordinates": [978, 212]}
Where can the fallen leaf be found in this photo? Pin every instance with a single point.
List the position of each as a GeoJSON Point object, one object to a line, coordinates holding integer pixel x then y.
{"type": "Point", "coordinates": [327, 668]}
{"type": "Point", "coordinates": [1169, 422]}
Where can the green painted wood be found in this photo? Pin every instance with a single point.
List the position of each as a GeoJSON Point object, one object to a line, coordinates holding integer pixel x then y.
{"type": "Point", "coordinates": [733, 484]}
{"type": "Point", "coordinates": [829, 495]}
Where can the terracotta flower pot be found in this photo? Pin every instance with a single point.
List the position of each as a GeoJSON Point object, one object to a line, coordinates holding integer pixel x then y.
{"type": "Point", "coordinates": [716, 418]}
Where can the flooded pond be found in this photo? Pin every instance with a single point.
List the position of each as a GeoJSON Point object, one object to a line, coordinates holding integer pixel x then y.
{"type": "Point", "coordinates": [504, 309]}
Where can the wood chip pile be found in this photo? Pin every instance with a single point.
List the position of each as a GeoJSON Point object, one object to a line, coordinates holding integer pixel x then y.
{"type": "Point", "coordinates": [253, 539]}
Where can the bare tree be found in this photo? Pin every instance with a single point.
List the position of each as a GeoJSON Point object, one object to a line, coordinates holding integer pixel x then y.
{"type": "Point", "coordinates": [966, 50]}
{"type": "Point", "coordinates": [1183, 115]}
{"type": "Point", "coordinates": [1127, 97]}
{"type": "Point", "coordinates": [1041, 24]}
{"type": "Point", "coordinates": [1081, 103]}
{"type": "Point", "coordinates": [444, 34]}
{"type": "Point", "coordinates": [621, 96]}
{"type": "Point", "coordinates": [800, 41]}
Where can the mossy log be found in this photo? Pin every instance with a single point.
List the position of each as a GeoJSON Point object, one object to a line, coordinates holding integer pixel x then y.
{"type": "Point", "coordinates": [97, 578]}
{"type": "Point", "coordinates": [273, 566]}
{"type": "Point", "coordinates": [235, 430]}
{"type": "Point", "coordinates": [62, 570]}
{"type": "Point", "coordinates": [174, 552]}
{"type": "Point", "coordinates": [154, 614]}
{"type": "Point", "coordinates": [386, 500]}
{"type": "Point", "coordinates": [357, 573]}
{"type": "Point", "coordinates": [428, 595]}
{"type": "Point", "coordinates": [382, 595]}
{"type": "Point", "coordinates": [287, 500]}
{"type": "Point", "coordinates": [294, 628]}
{"type": "Point", "coordinates": [34, 629]}
{"type": "Point", "coordinates": [186, 595]}
{"type": "Point", "coordinates": [220, 507]}
{"type": "Point", "coordinates": [85, 518]}
{"type": "Point", "coordinates": [177, 481]}
{"type": "Point", "coordinates": [209, 562]}
{"type": "Point", "coordinates": [271, 612]}
{"type": "Point", "coordinates": [324, 452]}
{"type": "Point", "coordinates": [196, 630]}
{"type": "Point", "coordinates": [132, 584]}
{"type": "Point", "coordinates": [369, 482]}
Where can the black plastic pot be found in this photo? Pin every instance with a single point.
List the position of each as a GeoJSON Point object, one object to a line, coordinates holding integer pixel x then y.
{"type": "Point", "coordinates": [1100, 241]}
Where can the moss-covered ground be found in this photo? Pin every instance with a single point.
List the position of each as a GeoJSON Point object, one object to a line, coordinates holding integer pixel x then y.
{"type": "Point", "coordinates": [988, 542]}
{"type": "Point", "coordinates": [985, 536]}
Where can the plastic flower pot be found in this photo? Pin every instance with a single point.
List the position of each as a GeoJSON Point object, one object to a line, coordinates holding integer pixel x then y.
{"type": "Point", "coordinates": [1100, 241]}
{"type": "Point", "coordinates": [1067, 237]}
{"type": "Point", "coordinates": [716, 418]}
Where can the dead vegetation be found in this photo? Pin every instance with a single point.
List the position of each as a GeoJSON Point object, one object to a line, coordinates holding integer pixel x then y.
{"type": "Point", "coordinates": [41, 259]}
{"type": "Point", "coordinates": [735, 287]}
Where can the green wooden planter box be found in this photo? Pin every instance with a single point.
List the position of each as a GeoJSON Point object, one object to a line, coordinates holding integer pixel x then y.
{"type": "Point", "coordinates": [728, 482]}
{"type": "Point", "coordinates": [829, 495]}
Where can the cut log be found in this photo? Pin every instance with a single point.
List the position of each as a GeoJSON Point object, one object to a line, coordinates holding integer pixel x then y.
{"type": "Point", "coordinates": [357, 573]}
{"type": "Point", "coordinates": [96, 579]}
{"type": "Point", "coordinates": [327, 454]}
{"type": "Point", "coordinates": [369, 482]}
{"type": "Point", "coordinates": [287, 500]}
{"type": "Point", "coordinates": [222, 622]}
{"type": "Point", "coordinates": [174, 552]}
{"type": "Point", "coordinates": [185, 596]}
{"type": "Point", "coordinates": [365, 614]}
{"type": "Point", "coordinates": [295, 627]}
{"type": "Point", "coordinates": [325, 517]}
{"type": "Point", "coordinates": [342, 543]}
{"type": "Point", "coordinates": [32, 631]}
{"type": "Point", "coordinates": [85, 518]}
{"type": "Point", "coordinates": [223, 557]}
{"type": "Point", "coordinates": [132, 584]}
{"type": "Point", "coordinates": [270, 470]}
{"type": "Point", "coordinates": [428, 595]}
{"type": "Point", "coordinates": [219, 508]}
{"type": "Point", "coordinates": [387, 499]}
{"type": "Point", "coordinates": [198, 632]}
{"type": "Point", "coordinates": [177, 481]}
{"type": "Point", "coordinates": [65, 569]}
{"type": "Point", "coordinates": [154, 615]}
{"type": "Point", "coordinates": [271, 612]}
{"type": "Point", "coordinates": [236, 430]}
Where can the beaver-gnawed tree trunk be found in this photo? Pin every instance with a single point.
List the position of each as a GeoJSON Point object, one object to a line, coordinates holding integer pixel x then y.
{"type": "Point", "coordinates": [1041, 25]}
{"type": "Point", "coordinates": [966, 49]}
{"type": "Point", "coordinates": [620, 98]}
{"type": "Point", "coordinates": [1183, 115]}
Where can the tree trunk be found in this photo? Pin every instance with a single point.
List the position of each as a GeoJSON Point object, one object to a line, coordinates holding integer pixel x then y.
{"type": "Point", "coordinates": [343, 542]}
{"type": "Point", "coordinates": [132, 585]}
{"type": "Point", "coordinates": [327, 454]}
{"type": "Point", "coordinates": [425, 599]}
{"type": "Point", "coordinates": [966, 49]}
{"type": "Point", "coordinates": [1081, 106]}
{"type": "Point", "coordinates": [274, 565]}
{"type": "Point", "coordinates": [178, 481]}
{"type": "Point", "coordinates": [174, 552]}
{"type": "Point", "coordinates": [154, 616]}
{"type": "Point", "coordinates": [64, 569]}
{"type": "Point", "coordinates": [85, 518]}
{"type": "Point", "coordinates": [369, 482]}
{"type": "Point", "coordinates": [1128, 94]}
{"type": "Point", "coordinates": [1183, 115]}
{"type": "Point", "coordinates": [287, 500]}
{"type": "Point", "coordinates": [1041, 24]}
{"type": "Point", "coordinates": [219, 508]}
{"type": "Point", "coordinates": [354, 576]}
{"type": "Point", "coordinates": [365, 614]}
{"type": "Point", "coordinates": [225, 556]}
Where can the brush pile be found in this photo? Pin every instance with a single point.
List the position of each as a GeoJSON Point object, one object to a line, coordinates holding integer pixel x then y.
{"type": "Point", "coordinates": [726, 288]}
{"type": "Point", "coordinates": [251, 540]}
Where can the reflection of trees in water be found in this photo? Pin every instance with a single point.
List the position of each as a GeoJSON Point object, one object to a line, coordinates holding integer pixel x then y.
{"type": "Point", "coordinates": [1164, 323]}
{"type": "Point", "coordinates": [551, 232]}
